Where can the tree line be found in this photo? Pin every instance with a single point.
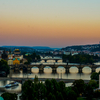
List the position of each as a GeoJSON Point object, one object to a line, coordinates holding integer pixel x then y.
{"type": "Point", "coordinates": [80, 58]}
{"type": "Point", "coordinates": [32, 58]}
{"type": "Point", "coordinates": [53, 90]}
{"type": "Point", "coordinates": [4, 68]}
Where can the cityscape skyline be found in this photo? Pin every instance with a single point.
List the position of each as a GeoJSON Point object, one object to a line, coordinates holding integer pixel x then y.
{"type": "Point", "coordinates": [53, 23]}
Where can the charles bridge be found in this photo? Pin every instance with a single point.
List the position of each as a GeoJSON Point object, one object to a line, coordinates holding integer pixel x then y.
{"type": "Point", "coordinates": [54, 67]}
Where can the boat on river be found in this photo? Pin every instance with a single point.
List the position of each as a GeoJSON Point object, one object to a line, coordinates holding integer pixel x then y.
{"type": "Point", "coordinates": [11, 84]}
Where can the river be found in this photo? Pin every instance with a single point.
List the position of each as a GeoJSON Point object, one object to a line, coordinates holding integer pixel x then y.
{"type": "Point", "coordinates": [48, 74]}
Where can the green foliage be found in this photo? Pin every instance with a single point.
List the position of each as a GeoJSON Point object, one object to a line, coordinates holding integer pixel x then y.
{"type": "Point", "coordinates": [4, 66]}
{"type": "Point", "coordinates": [53, 90]}
{"type": "Point", "coordinates": [9, 96]}
{"type": "Point", "coordinates": [80, 98]}
{"type": "Point", "coordinates": [80, 85]}
{"type": "Point", "coordinates": [72, 95]}
{"type": "Point", "coordinates": [49, 86]}
{"type": "Point", "coordinates": [88, 92]}
{"type": "Point", "coordinates": [32, 58]}
{"type": "Point", "coordinates": [59, 96]}
{"type": "Point", "coordinates": [51, 97]}
{"type": "Point", "coordinates": [36, 79]}
{"type": "Point", "coordinates": [97, 94]}
{"type": "Point", "coordinates": [95, 76]}
{"type": "Point", "coordinates": [93, 84]}
{"type": "Point", "coordinates": [80, 58]}
{"type": "Point", "coordinates": [27, 90]}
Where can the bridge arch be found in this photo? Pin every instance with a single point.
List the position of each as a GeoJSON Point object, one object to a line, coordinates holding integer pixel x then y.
{"type": "Point", "coordinates": [47, 69]}
{"type": "Point", "coordinates": [61, 69]}
{"type": "Point", "coordinates": [73, 69]}
{"type": "Point", "coordinates": [34, 69]}
{"type": "Point", "coordinates": [51, 61]}
{"type": "Point", "coordinates": [86, 69]}
{"type": "Point", "coordinates": [98, 69]}
{"type": "Point", "coordinates": [22, 68]}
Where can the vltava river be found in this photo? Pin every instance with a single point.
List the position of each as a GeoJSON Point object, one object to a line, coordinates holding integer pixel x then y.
{"type": "Point", "coordinates": [48, 74]}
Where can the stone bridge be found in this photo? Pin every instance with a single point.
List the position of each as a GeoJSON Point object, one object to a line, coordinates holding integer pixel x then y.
{"type": "Point", "coordinates": [53, 66]}
{"type": "Point", "coordinates": [55, 59]}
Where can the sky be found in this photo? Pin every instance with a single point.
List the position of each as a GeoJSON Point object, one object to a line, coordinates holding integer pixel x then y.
{"type": "Point", "coordinates": [53, 23]}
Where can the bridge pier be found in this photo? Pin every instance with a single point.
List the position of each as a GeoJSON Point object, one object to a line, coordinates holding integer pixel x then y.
{"type": "Point", "coordinates": [45, 60]}
{"type": "Point", "coordinates": [93, 70]}
{"type": "Point", "coordinates": [56, 61]}
{"type": "Point", "coordinates": [67, 70]}
{"type": "Point", "coordinates": [28, 70]}
{"type": "Point", "coordinates": [54, 70]}
{"type": "Point", "coordinates": [41, 71]}
{"type": "Point", "coordinates": [80, 70]}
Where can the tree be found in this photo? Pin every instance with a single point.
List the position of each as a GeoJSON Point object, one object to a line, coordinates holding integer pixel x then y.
{"type": "Point", "coordinates": [93, 84]}
{"type": "Point", "coordinates": [80, 98]}
{"type": "Point", "coordinates": [79, 84]}
{"type": "Point", "coordinates": [88, 92]}
{"type": "Point", "coordinates": [59, 96]}
{"type": "Point", "coordinates": [32, 58]}
{"type": "Point", "coordinates": [4, 66]}
{"type": "Point", "coordinates": [36, 79]}
{"type": "Point", "coordinates": [72, 95]}
{"type": "Point", "coordinates": [4, 55]}
{"type": "Point", "coordinates": [56, 86]}
{"type": "Point", "coordinates": [52, 97]}
{"type": "Point", "coordinates": [28, 92]}
{"type": "Point", "coordinates": [97, 94]}
{"type": "Point", "coordinates": [95, 76]}
{"type": "Point", "coordinates": [9, 96]}
{"type": "Point", "coordinates": [61, 87]}
{"type": "Point", "coordinates": [49, 86]}
{"type": "Point", "coordinates": [42, 91]}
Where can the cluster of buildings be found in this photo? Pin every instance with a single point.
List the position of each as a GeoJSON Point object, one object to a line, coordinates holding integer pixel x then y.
{"type": "Point", "coordinates": [75, 52]}
{"type": "Point", "coordinates": [12, 58]}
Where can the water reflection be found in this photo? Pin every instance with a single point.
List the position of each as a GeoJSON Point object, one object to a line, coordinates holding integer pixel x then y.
{"type": "Point", "coordinates": [73, 69]}
{"type": "Point", "coordinates": [61, 73]}
{"type": "Point", "coordinates": [86, 69]}
{"type": "Point", "coordinates": [47, 69]}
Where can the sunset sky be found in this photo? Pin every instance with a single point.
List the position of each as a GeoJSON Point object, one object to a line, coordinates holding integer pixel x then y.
{"type": "Point", "coordinates": [53, 23]}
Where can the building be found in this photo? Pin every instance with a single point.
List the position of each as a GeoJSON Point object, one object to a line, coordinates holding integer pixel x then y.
{"type": "Point", "coordinates": [17, 52]}
{"type": "Point", "coordinates": [16, 61]}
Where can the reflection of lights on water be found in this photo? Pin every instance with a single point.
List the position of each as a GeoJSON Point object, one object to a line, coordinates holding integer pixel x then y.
{"type": "Point", "coordinates": [73, 69]}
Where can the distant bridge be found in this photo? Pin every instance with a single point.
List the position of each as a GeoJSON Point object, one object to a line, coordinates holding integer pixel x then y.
{"type": "Point", "coordinates": [54, 67]}
{"type": "Point", "coordinates": [51, 58]}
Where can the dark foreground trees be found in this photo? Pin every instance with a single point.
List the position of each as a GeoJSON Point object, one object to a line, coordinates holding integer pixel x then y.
{"type": "Point", "coordinates": [4, 68]}
{"type": "Point", "coordinates": [9, 96]}
{"type": "Point", "coordinates": [50, 90]}
{"type": "Point", "coordinates": [53, 90]}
